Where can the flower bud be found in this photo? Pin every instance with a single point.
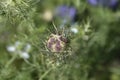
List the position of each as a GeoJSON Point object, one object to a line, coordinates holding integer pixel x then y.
{"type": "Point", "coordinates": [47, 15]}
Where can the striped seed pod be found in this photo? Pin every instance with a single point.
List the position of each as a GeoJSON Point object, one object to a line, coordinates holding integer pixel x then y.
{"type": "Point", "coordinates": [56, 43]}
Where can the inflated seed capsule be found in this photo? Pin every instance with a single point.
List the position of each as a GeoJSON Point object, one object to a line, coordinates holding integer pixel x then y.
{"type": "Point", "coordinates": [56, 43]}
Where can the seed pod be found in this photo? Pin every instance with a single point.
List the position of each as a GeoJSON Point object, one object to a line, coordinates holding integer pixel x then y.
{"type": "Point", "coordinates": [56, 43]}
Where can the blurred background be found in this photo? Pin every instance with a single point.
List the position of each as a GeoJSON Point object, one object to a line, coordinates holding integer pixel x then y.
{"type": "Point", "coordinates": [90, 32]}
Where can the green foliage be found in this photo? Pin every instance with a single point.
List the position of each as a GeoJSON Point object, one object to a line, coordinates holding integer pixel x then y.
{"type": "Point", "coordinates": [93, 50]}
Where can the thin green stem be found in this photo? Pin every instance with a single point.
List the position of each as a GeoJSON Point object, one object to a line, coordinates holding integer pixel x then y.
{"type": "Point", "coordinates": [10, 61]}
{"type": "Point", "coordinates": [41, 78]}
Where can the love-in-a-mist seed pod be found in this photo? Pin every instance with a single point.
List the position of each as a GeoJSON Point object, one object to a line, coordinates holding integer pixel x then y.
{"type": "Point", "coordinates": [56, 43]}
